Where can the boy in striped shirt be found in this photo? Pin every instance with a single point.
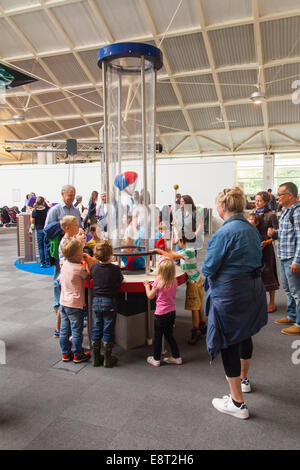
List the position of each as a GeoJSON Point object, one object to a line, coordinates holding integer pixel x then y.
{"type": "Point", "coordinates": [194, 297]}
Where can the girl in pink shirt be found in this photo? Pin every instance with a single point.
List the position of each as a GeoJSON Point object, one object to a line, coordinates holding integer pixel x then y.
{"type": "Point", "coordinates": [164, 288]}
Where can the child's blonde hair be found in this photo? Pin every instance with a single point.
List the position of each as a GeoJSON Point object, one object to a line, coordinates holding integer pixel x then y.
{"type": "Point", "coordinates": [103, 250]}
{"type": "Point", "coordinates": [70, 247]}
{"type": "Point", "coordinates": [67, 220]}
{"type": "Point", "coordinates": [166, 273]}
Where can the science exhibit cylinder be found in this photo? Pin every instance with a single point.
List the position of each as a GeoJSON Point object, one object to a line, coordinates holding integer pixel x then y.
{"type": "Point", "coordinates": [129, 97]}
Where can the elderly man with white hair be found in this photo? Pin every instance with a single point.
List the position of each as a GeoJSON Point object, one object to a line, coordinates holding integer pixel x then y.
{"type": "Point", "coordinates": [65, 207]}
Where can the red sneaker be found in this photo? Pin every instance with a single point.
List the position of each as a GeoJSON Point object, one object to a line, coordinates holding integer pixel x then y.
{"type": "Point", "coordinates": [67, 357]}
{"type": "Point", "coordinates": [84, 357]}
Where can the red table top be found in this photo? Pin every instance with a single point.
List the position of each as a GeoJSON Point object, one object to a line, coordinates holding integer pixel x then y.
{"type": "Point", "coordinates": [132, 283]}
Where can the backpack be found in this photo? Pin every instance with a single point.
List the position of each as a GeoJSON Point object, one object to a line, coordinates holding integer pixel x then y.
{"type": "Point", "coordinates": [292, 213]}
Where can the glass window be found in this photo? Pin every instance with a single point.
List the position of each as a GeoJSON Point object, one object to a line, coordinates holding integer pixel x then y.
{"type": "Point", "coordinates": [287, 168]}
{"type": "Point", "coordinates": [249, 173]}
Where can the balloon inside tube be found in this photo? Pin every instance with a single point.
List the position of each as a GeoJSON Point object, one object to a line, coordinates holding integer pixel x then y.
{"type": "Point", "coordinates": [126, 181]}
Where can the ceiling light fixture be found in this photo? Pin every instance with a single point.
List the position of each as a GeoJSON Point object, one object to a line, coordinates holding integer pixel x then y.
{"type": "Point", "coordinates": [258, 97]}
{"type": "Point", "coordinates": [18, 118]}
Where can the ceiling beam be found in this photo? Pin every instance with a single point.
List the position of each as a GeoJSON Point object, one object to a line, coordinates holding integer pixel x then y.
{"type": "Point", "coordinates": [291, 139]}
{"type": "Point", "coordinates": [261, 75]}
{"type": "Point", "coordinates": [247, 140]}
{"type": "Point", "coordinates": [167, 66]}
{"type": "Point", "coordinates": [212, 64]}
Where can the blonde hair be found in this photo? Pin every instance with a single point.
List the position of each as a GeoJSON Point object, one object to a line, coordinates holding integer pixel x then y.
{"type": "Point", "coordinates": [166, 273]}
{"type": "Point", "coordinates": [234, 200]}
{"type": "Point", "coordinates": [67, 220]}
{"type": "Point", "coordinates": [103, 250]}
{"type": "Point", "coordinates": [70, 247]}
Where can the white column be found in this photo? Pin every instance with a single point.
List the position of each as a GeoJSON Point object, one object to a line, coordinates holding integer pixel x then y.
{"type": "Point", "coordinates": [268, 171]}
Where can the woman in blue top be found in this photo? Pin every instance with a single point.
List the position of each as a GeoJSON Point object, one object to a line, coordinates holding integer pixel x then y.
{"type": "Point", "coordinates": [236, 305]}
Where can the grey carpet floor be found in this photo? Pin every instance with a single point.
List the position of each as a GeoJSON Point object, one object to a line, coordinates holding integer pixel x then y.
{"type": "Point", "coordinates": [45, 404]}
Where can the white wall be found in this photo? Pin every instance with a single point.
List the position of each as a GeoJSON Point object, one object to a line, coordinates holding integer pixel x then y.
{"type": "Point", "coordinates": [202, 178]}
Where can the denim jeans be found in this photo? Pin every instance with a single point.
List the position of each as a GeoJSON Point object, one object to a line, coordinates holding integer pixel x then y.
{"type": "Point", "coordinates": [40, 236]}
{"type": "Point", "coordinates": [104, 319]}
{"type": "Point", "coordinates": [291, 286]}
{"type": "Point", "coordinates": [56, 284]}
{"type": "Point", "coordinates": [71, 324]}
{"type": "Point", "coordinates": [163, 326]}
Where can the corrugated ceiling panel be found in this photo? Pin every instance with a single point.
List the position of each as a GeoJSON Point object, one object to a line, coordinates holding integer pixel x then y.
{"type": "Point", "coordinates": [172, 140]}
{"type": "Point", "coordinates": [186, 52]}
{"type": "Point", "coordinates": [282, 78]}
{"type": "Point", "coordinates": [90, 60]}
{"type": "Point", "coordinates": [10, 5]}
{"type": "Point", "coordinates": [17, 102]}
{"type": "Point", "coordinates": [41, 32]}
{"type": "Point", "coordinates": [280, 38]}
{"type": "Point", "coordinates": [205, 118]}
{"type": "Point", "coordinates": [23, 131]}
{"type": "Point", "coordinates": [35, 111]}
{"type": "Point", "coordinates": [189, 145]}
{"type": "Point", "coordinates": [244, 115]}
{"type": "Point", "coordinates": [87, 106]}
{"type": "Point", "coordinates": [219, 135]}
{"type": "Point", "coordinates": [170, 121]}
{"type": "Point", "coordinates": [197, 89]}
{"type": "Point", "coordinates": [66, 69]}
{"type": "Point", "coordinates": [11, 45]}
{"type": "Point", "coordinates": [236, 83]}
{"type": "Point", "coordinates": [31, 66]}
{"type": "Point", "coordinates": [275, 6]}
{"type": "Point", "coordinates": [78, 133]}
{"type": "Point", "coordinates": [57, 104]}
{"type": "Point", "coordinates": [293, 132]}
{"type": "Point", "coordinates": [233, 45]}
{"type": "Point", "coordinates": [280, 141]}
{"type": "Point", "coordinates": [206, 145]}
{"type": "Point", "coordinates": [125, 19]}
{"type": "Point", "coordinates": [46, 127]}
{"type": "Point", "coordinates": [283, 112]}
{"type": "Point", "coordinates": [165, 94]}
{"type": "Point", "coordinates": [229, 11]}
{"type": "Point", "coordinates": [5, 112]}
{"type": "Point", "coordinates": [239, 136]}
{"type": "Point", "coordinates": [256, 142]}
{"type": "Point", "coordinates": [162, 13]}
{"type": "Point", "coordinates": [80, 24]}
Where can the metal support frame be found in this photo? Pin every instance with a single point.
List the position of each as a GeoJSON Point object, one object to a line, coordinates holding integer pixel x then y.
{"type": "Point", "coordinates": [145, 172]}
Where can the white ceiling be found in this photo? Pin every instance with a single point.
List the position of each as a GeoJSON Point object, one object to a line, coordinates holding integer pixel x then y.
{"type": "Point", "coordinates": [213, 52]}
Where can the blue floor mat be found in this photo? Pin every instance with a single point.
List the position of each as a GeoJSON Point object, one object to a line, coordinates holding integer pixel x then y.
{"type": "Point", "coordinates": [34, 268]}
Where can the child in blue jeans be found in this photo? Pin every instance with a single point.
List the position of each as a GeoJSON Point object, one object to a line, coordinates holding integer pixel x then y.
{"type": "Point", "coordinates": [72, 300]}
{"type": "Point", "coordinates": [106, 279]}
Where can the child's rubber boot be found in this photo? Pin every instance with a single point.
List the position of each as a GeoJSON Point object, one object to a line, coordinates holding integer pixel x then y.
{"type": "Point", "coordinates": [97, 358]}
{"type": "Point", "coordinates": [109, 359]}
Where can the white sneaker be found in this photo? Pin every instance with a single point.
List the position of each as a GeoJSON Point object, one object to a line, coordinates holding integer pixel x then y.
{"type": "Point", "coordinates": [245, 384]}
{"type": "Point", "coordinates": [152, 361]}
{"type": "Point", "coordinates": [246, 387]}
{"type": "Point", "coordinates": [173, 360]}
{"type": "Point", "coordinates": [226, 405]}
